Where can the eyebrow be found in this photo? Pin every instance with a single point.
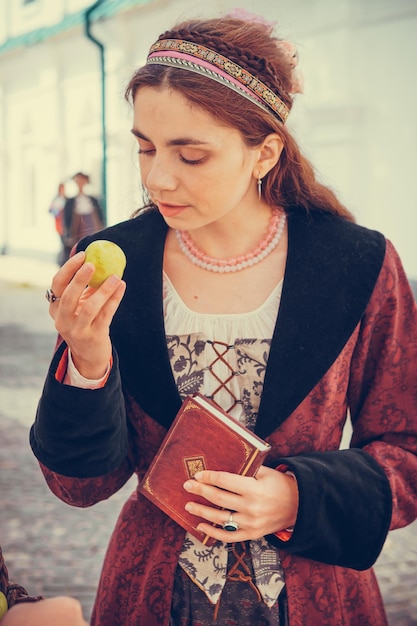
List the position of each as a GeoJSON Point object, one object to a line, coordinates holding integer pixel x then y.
{"type": "Point", "coordinates": [180, 141]}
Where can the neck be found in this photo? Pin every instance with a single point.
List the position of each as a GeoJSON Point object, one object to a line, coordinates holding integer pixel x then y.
{"type": "Point", "coordinates": [234, 235]}
{"type": "Point", "coordinates": [260, 251]}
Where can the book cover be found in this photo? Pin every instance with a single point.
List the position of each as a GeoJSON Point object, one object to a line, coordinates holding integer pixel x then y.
{"type": "Point", "coordinates": [202, 436]}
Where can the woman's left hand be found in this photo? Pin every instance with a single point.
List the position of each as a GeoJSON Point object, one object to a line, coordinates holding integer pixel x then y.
{"type": "Point", "coordinates": [262, 505]}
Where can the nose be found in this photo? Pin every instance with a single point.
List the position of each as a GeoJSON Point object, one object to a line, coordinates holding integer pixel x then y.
{"type": "Point", "coordinates": [160, 176]}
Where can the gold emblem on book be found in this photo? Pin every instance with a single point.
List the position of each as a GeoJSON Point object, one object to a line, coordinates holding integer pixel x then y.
{"type": "Point", "coordinates": [194, 464]}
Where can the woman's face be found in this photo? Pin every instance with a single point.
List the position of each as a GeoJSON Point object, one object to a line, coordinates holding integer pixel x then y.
{"type": "Point", "coordinates": [195, 170]}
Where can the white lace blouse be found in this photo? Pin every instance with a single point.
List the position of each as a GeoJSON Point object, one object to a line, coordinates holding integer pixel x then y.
{"type": "Point", "coordinates": [228, 328]}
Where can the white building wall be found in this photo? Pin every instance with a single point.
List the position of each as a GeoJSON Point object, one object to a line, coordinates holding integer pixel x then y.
{"type": "Point", "coordinates": [356, 120]}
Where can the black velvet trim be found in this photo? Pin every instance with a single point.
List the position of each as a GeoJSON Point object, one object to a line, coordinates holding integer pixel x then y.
{"type": "Point", "coordinates": [138, 330]}
{"type": "Point", "coordinates": [345, 508]}
{"type": "Point", "coordinates": [80, 432]}
{"type": "Point", "coordinates": [331, 271]}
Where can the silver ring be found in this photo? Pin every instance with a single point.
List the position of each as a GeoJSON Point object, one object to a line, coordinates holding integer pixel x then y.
{"type": "Point", "coordinates": [230, 524]}
{"type": "Point", "coordinates": [50, 296]}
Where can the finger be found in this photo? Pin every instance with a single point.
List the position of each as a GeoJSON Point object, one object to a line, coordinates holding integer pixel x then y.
{"type": "Point", "coordinates": [229, 525]}
{"type": "Point", "coordinates": [221, 497]}
{"type": "Point", "coordinates": [227, 529]}
{"type": "Point", "coordinates": [102, 303]}
{"type": "Point", "coordinates": [71, 295]}
{"type": "Point", "coordinates": [110, 307]}
{"type": "Point", "coordinates": [213, 514]}
{"type": "Point", "coordinates": [224, 480]}
{"type": "Point", "coordinates": [226, 536]}
{"type": "Point", "coordinates": [66, 273]}
{"type": "Point", "coordinates": [219, 518]}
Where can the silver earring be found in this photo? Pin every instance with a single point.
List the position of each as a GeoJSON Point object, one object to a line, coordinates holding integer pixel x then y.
{"type": "Point", "coordinates": [145, 196]}
{"type": "Point", "coordinates": [259, 187]}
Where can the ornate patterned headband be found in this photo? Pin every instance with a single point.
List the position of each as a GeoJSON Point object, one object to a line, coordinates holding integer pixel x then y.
{"type": "Point", "coordinates": [201, 60]}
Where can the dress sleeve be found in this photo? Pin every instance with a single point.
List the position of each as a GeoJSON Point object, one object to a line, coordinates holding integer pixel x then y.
{"type": "Point", "coordinates": [350, 499]}
{"type": "Point", "coordinates": [383, 387]}
{"type": "Point", "coordinates": [78, 432]}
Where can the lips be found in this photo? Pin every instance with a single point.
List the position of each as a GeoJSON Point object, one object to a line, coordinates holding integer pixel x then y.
{"type": "Point", "coordinates": [170, 210]}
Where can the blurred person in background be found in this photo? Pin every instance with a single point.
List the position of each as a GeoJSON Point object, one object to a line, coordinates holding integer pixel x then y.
{"type": "Point", "coordinates": [82, 215]}
{"type": "Point", "coordinates": [57, 211]}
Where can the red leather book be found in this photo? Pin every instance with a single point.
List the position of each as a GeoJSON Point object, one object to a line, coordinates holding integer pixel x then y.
{"type": "Point", "coordinates": [202, 436]}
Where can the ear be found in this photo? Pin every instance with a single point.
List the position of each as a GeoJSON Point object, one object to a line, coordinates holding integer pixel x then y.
{"type": "Point", "coordinates": [269, 153]}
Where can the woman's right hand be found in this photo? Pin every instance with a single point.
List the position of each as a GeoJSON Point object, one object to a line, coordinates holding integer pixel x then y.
{"type": "Point", "coordinates": [83, 315]}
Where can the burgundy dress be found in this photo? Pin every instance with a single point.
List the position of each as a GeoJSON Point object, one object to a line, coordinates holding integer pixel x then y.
{"type": "Point", "coordinates": [345, 340]}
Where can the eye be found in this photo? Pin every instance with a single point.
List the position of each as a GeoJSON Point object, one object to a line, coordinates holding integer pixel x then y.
{"type": "Point", "coordinates": [145, 147]}
{"type": "Point", "coordinates": [143, 151]}
{"type": "Point", "coordinates": [191, 161]}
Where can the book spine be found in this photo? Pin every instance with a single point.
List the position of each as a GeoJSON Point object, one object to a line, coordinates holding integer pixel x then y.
{"type": "Point", "coordinates": [250, 462]}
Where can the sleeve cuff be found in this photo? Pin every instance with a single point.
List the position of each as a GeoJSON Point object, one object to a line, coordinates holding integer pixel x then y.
{"type": "Point", "coordinates": [68, 374]}
{"type": "Point", "coordinates": [77, 432]}
{"type": "Point", "coordinates": [345, 508]}
{"type": "Point", "coordinates": [286, 533]}
{"type": "Point", "coordinates": [74, 378]}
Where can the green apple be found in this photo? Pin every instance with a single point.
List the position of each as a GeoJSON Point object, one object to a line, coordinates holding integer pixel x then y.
{"type": "Point", "coordinates": [3, 604]}
{"type": "Point", "coordinates": [107, 257]}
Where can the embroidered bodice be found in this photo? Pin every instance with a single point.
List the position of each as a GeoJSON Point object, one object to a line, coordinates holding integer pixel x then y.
{"type": "Point", "coordinates": [224, 357]}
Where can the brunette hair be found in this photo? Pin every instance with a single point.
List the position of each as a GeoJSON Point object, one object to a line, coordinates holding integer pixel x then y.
{"type": "Point", "coordinates": [292, 183]}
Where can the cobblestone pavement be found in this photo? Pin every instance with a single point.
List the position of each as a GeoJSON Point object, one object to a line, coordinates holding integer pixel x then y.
{"type": "Point", "coordinates": [52, 548]}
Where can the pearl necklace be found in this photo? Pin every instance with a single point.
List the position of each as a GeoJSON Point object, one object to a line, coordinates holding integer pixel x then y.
{"type": "Point", "coordinates": [262, 250]}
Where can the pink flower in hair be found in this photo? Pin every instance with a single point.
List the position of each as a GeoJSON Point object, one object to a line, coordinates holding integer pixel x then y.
{"type": "Point", "coordinates": [247, 16]}
{"type": "Point", "coordinates": [290, 51]}
{"type": "Point", "coordinates": [297, 78]}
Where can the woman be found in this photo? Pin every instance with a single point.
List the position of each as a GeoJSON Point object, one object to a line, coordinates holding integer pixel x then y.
{"type": "Point", "coordinates": [247, 281]}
